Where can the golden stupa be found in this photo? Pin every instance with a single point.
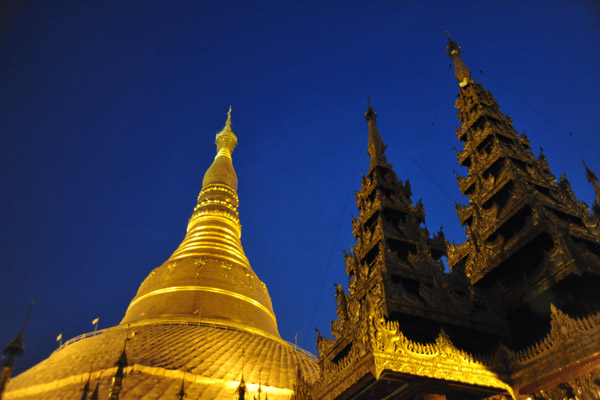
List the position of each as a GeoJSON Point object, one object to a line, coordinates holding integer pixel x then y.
{"type": "Point", "coordinates": [201, 325]}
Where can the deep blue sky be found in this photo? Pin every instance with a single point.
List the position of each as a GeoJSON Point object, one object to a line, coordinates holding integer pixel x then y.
{"type": "Point", "coordinates": [109, 109]}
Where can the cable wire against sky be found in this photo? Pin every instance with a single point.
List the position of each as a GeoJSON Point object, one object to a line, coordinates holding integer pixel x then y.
{"type": "Point", "coordinates": [435, 117]}
{"type": "Point", "coordinates": [543, 115]}
{"type": "Point", "coordinates": [337, 235]}
{"type": "Point", "coordinates": [411, 158]}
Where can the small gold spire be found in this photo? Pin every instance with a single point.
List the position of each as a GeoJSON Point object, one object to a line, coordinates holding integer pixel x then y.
{"type": "Point", "coordinates": [590, 176]}
{"type": "Point", "coordinates": [221, 171]}
{"type": "Point", "coordinates": [228, 122]}
{"type": "Point", "coordinates": [226, 139]}
{"type": "Point", "coordinates": [370, 114]}
{"type": "Point", "coordinates": [376, 147]}
{"type": "Point", "coordinates": [593, 179]}
{"type": "Point", "coordinates": [461, 72]}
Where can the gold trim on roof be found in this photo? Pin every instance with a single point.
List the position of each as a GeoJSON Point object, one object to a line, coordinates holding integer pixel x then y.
{"type": "Point", "coordinates": [205, 289]}
{"type": "Point", "coordinates": [153, 371]}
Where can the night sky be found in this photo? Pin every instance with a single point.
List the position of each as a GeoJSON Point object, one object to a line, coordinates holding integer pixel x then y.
{"type": "Point", "coordinates": [109, 110]}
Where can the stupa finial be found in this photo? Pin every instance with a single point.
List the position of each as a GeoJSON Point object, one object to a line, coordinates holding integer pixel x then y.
{"type": "Point", "coordinates": [226, 139]}
{"type": "Point", "coordinates": [221, 171]}
{"type": "Point", "coordinates": [228, 122]}
{"type": "Point", "coordinates": [461, 72]}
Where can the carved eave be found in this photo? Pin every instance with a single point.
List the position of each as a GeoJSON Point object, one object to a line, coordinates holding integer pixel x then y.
{"type": "Point", "coordinates": [472, 95]}
{"type": "Point", "coordinates": [367, 241]}
{"type": "Point", "coordinates": [457, 253]}
{"type": "Point", "coordinates": [354, 374]}
{"type": "Point", "coordinates": [542, 219]}
{"type": "Point", "coordinates": [469, 119]}
{"type": "Point", "coordinates": [392, 356]}
{"type": "Point", "coordinates": [382, 202]}
{"type": "Point", "coordinates": [489, 220]}
{"type": "Point", "coordinates": [499, 151]}
{"type": "Point", "coordinates": [442, 308]}
{"type": "Point", "coordinates": [559, 262]}
{"type": "Point", "coordinates": [464, 211]}
{"type": "Point", "coordinates": [463, 157]}
{"type": "Point", "coordinates": [492, 254]}
{"type": "Point", "coordinates": [439, 360]}
{"type": "Point", "coordinates": [571, 348]}
{"type": "Point", "coordinates": [465, 183]}
{"type": "Point", "coordinates": [555, 266]}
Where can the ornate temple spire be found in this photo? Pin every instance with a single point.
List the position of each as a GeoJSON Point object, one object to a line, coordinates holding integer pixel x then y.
{"type": "Point", "coordinates": [208, 279]}
{"type": "Point", "coordinates": [461, 72]}
{"type": "Point", "coordinates": [593, 179]}
{"type": "Point", "coordinates": [526, 230]}
{"type": "Point", "coordinates": [14, 349]}
{"type": "Point", "coordinates": [376, 147]}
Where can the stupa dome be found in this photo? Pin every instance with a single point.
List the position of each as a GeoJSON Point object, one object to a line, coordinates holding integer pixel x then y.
{"type": "Point", "coordinates": [202, 322]}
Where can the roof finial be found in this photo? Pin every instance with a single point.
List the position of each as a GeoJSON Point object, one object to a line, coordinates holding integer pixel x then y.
{"type": "Point", "coordinates": [376, 147]}
{"type": "Point", "coordinates": [226, 139]}
{"type": "Point", "coordinates": [593, 179]}
{"type": "Point", "coordinates": [228, 122]}
{"type": "Point", "coordinates": [589, 174]}
{"type": "Point", "coordinates": [461, 72]}
{"type": "Point", "coordinates": [370, 114]}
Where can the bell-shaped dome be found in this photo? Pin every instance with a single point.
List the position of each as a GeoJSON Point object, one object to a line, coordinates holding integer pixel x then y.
{"type": "Point", "coordinates": [208, 278]}
{"type": "Point", "coordinates": [200, 326]}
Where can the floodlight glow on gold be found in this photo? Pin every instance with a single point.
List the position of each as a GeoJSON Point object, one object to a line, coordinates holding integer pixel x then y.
{"type": "Point", "coordinates": [206, 289]}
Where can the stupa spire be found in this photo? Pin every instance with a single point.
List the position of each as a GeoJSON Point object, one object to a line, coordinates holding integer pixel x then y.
{"type": "Point", "coordinates": [209, 278]}
{"type": "Point", "coordinates": [461, 72]}
{"type": "Point", "coordinates": [221, 171]}
{"type": "Point", "coordinates": [376, 147]}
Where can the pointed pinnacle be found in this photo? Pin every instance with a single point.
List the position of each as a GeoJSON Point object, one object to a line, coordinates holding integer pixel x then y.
{"type": "Point", "coordinates": [452, 48]}
{"type": "Point", "coordinates": [589, 174]}
{"type": "Point", "coordinates": [370, 114]}
{"type": "Point", "coordinates": [461, 72]}
{"type": "Point", "coordinates": [228, 122]}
